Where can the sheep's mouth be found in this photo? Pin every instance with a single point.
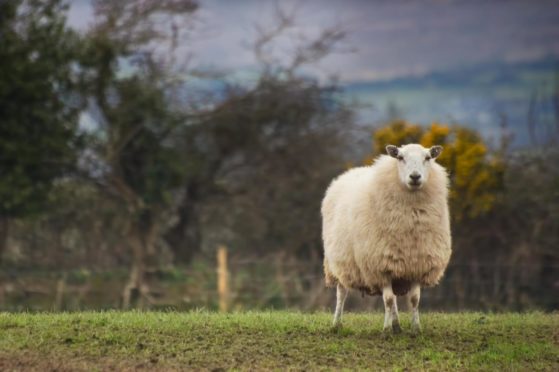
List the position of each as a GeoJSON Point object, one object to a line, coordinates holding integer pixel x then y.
{"type": "Point", "coordinates": [415, 185]}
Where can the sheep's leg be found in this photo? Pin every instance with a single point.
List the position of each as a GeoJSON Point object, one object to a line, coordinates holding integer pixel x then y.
{"type": "Point", "coordinates": [414, 296]}
{"type": "Point", "coordinates": [387, 295]}
{"type": "Point", "coordinates": [341, 295]}
{"type": "Point", "coordinates": [390, 310]}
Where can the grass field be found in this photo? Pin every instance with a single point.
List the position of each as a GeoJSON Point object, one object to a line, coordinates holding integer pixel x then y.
{"type": "Point", "coordinates": [275, 340]}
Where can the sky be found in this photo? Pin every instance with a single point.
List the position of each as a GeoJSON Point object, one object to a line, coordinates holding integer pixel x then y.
{"type": "Point", "coordinates": [392, 43]}
{"type": "Point", "coordinates": [386, 39]}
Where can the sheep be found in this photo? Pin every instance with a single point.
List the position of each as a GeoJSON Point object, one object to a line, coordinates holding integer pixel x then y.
{"type": "Point", "coordinates": [386, 229]}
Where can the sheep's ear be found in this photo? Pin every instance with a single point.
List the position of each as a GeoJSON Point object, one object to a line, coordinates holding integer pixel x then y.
{"type": "Point", "coordinates": [435, 151]}
{"type": "Point", "coordinates": [392, 151]}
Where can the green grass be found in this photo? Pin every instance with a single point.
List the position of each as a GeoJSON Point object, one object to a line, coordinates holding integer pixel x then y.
{"type": "Point", "coordinates": [275, 340]}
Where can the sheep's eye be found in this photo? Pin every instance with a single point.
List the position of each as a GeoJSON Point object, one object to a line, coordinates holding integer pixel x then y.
{"type": "Point", "coordinates": [400, 157]}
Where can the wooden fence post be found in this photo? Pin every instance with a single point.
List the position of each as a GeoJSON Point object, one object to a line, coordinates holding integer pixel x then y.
{"type": "Point", "coordinates": [222, 279]}
{"type": "Point", "coordinates": [60, 288]}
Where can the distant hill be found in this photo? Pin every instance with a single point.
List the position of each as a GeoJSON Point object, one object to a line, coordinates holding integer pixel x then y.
{"type": "Point", "coordinates": [478, 96]}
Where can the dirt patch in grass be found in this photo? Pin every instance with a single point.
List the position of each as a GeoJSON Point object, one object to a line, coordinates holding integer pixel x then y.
{"type": "Point", "coordinates": [29, 361]}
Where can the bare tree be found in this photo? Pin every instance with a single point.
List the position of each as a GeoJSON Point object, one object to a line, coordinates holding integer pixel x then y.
{"type": "Point", "coordinates": [305, 51]}
{"type": "Point", "coordinates": [133, 159]}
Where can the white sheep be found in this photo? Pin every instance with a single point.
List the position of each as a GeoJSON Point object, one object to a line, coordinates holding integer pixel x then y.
{"type": "Point", "coordinates": [386, 229]}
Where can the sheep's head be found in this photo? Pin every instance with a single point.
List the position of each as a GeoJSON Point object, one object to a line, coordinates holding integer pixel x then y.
{"type": "Point", "coordinates": [414, 163]}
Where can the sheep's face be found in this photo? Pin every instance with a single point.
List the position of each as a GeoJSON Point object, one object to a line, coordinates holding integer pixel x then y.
{"type": "Point", "coordinates": [414, 163]}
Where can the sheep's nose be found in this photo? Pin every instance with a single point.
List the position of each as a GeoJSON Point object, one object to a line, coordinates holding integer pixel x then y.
{"type": "Point", "coordinates": [415, 177]}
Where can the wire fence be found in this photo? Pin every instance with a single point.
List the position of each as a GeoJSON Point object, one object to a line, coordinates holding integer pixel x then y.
{"type": "Point", "coordinates": [271, 283]}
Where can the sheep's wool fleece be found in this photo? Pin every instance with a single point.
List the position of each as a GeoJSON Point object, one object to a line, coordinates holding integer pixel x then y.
{"type": "Point", "coordinates": [376, 231]}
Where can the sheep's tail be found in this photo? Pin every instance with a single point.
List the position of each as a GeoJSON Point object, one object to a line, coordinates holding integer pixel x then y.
{"type": "Point", "coordinates": [329, 279]}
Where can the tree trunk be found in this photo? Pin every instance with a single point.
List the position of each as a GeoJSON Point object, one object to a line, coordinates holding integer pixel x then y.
{"type": "Point", "coordinates": [137, 272]}
{"type": "Point", "coordinates": [142, 237]}
{"type": "Point", "coordinates": [184, 238]}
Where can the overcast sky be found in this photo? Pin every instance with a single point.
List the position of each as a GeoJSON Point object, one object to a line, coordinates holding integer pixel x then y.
{"type": "Point", "coordinates": [388, 38]}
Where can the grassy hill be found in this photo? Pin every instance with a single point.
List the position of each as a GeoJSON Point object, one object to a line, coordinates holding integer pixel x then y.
{"type": "Point", "coordinates": [478, 96]}
{"type": "Point", "coordinates": [275, 340]}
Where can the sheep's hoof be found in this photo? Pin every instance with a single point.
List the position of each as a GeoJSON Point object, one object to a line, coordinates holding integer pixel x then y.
{"type": "Point", "coordinates": [336, 326]}
{"type": "Point", "coordinates": [415, 329]}
{"type": "Point", "coordinates": [396, 327]}
{"type": "Point", "coordinates": [387, 333]}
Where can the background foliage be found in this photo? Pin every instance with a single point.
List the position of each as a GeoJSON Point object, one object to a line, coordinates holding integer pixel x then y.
{"type": "Point", "coordinates": [476, 173]}
{"type": "Point", "coordinates": [120, 176]}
